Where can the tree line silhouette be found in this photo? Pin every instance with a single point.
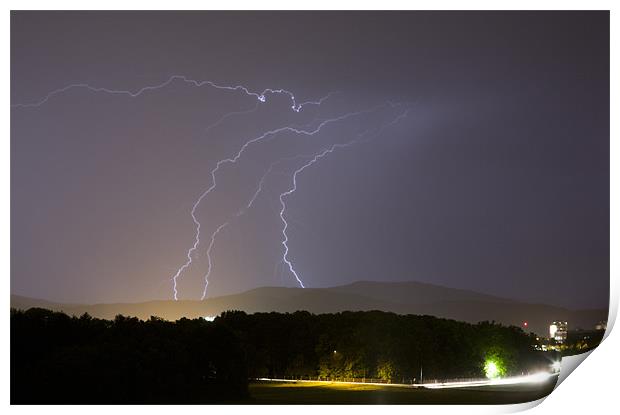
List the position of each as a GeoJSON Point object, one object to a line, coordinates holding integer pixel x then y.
{"type": "Point", "coordinates": [56, 358]}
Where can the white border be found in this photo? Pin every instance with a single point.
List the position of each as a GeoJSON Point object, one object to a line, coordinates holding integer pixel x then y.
{"type": "Point", "coordinates": [591, 386]}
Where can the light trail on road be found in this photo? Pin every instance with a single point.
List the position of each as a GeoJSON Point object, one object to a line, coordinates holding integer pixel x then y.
{"type": "Point", "coordinates": [535, 378]}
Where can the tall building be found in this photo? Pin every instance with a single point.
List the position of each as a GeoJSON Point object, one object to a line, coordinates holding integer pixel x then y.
{"type": "Point", "coordinates": [558, 331]}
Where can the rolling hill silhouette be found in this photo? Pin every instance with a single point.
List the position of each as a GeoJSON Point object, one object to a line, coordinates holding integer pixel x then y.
{"type": "Point", "coordinates": [397, 297]}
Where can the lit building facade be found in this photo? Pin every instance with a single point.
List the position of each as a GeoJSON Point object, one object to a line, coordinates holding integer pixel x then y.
{"type": "Point", "coordinates": [558, 331]}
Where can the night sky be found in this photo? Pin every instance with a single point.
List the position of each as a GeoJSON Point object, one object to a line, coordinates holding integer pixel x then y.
{"type": "Point", "coordinates": [496, 181]}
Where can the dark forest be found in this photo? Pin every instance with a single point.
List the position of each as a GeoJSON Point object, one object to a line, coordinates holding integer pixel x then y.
{"type": "Point", "coordinates": [56, 358]}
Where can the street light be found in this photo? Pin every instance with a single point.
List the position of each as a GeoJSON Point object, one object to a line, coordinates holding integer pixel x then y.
{"type": "Point", "coordinates": [491, 370]}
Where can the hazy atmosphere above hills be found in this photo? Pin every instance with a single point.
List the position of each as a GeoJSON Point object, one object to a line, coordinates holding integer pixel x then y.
{"type": "Point", "coordinates": [468, 150]}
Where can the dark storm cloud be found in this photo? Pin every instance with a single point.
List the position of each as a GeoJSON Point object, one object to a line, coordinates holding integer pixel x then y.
{"type": "Point", "coordinates": [498, 182]}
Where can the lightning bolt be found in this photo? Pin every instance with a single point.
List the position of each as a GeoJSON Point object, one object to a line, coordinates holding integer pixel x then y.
{"type": "Point", "coordinates": [292, 190]}
{"type": "Point", "coordinates": [261, 182]}
{"type": "Point", "coordinates": [260, 96]}
{"type": "Point", "coordinates": [240, 213]}
{"type": "Point", "coordinates": [219, 228]}
{"type": "Point", "coordinates": [283, 207]}
{"type": "Point", "coordinates": [255, 107]}
{"type": "Point", "coordinates": [232, 160]}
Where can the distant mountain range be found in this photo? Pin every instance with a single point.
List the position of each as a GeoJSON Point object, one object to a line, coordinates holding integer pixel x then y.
{"type": "Point", "coordinates": [397, 297]}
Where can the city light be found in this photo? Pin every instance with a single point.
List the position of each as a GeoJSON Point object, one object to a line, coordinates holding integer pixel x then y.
{"type": "Point", "coordinates": [552, 330]}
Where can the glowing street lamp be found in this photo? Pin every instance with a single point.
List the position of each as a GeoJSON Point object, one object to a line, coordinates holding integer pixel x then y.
{"type": "Point", "coordinates": [491, 369]}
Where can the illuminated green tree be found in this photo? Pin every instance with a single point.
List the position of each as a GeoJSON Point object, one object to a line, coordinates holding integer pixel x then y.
{"type": "Point", "coordinates": [386, 369]}
{"type": "Point", "coordinates": [495, 365]}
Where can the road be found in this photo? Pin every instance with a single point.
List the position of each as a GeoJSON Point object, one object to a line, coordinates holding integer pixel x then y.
{"type": "Point", "coordinates": [501, 391]}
